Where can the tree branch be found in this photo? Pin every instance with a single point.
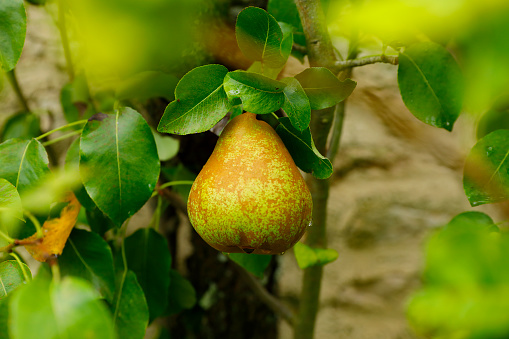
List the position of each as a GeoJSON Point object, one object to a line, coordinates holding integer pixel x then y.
{"type": "Point", "coordinates": [300, 48]}
{"type": "Point", "coordinates": [388, 59]}
{"type": "Point", "coordinates": [272, 302]}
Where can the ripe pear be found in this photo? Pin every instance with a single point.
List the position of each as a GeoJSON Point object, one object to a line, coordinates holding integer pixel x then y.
{"type": "Point", "coordinates": [250, 197]}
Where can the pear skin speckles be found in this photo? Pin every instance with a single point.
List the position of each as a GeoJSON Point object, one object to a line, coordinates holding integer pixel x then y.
{"type": "Point", "coordinates": [250, 195]}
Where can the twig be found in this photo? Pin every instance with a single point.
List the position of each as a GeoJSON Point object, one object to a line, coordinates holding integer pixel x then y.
{"type": "Point", "coordinates": [388, 59]}
{"type": "Point", "coordinates": [272, 302]}
{"type": "Point", "coordinates": [300, 48]}
{"type": "Point", "coordinates": [11, 75]}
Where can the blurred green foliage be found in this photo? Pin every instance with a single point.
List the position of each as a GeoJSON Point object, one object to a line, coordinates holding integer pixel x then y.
{"type": "Point", "coordinates": [466, 282]}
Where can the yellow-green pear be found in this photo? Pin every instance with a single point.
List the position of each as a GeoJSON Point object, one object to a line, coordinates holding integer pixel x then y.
{"type": "Point", "coordinates": [250, 197]}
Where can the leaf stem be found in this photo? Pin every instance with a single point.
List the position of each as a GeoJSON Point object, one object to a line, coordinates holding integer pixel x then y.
{"type": "Point", "coordinates": [6, 237]}
{"type": "Point", "coordinates": [171, 183]}
{"type": "Point", "coordinates": [388, 59]}
{"type": "Point", "coordinates": [79, 122]}
{"type": "Point", "coordinates": [55, 269]}
{"type": "Point", "coordinates": [63, 137]}
{"type": "Point", "coordinates": [36, 223]}
{"type": "Point", "coordinates": [20, 263]}
{"type": "Point", "coordinates": [11, 75]}
{"type": "Point", "coordinates": [62, 27]}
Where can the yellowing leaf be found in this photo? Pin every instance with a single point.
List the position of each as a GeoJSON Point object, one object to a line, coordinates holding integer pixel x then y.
{"type": "Point", "coordinates": [55, 231]}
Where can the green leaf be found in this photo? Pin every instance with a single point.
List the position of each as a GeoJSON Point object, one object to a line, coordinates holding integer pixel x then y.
{"type": "Point", "coordinates": [86, 255]}
{"type": "Point", "coordinates": [119, 154]}
{"type": "Point", "coordinates": [149, 258]}
{"type": "Point", "coordinates": [24, 125]}
{"type": "Point", "coordinates": [323, 88]}
{"type": "Point", "coordinates": [254, 263]}
{"type": "Point", "coordinates": [471, 220]}
{"type": "Point", "coordinates": [75, 99]}
{"type": "Point", "coordinates": [258, 93]}
{"type": "Point", "coordinates": [257, 67]}
{"type": "Point", "coordinates": [181, 296]}
{"type": "Point", "coordinates": [146, 85]}
{"type": "Point", "coordinates": [465, 279]}
{"type": "Point", "coordinates": [13, 25]}
{"type": "Point", "coordinates": [167, 147]}
{"type": "Point", "coordinates": [98, 221]}
{"type": "Point", "coordinates": [486, 171]}
{"type": "Point", "coordinates": [10, 202]}
{"type": "Point", "coordinates": [287, 43]}
{"type": "Point", "coordinates": [4, 318]}
{"type": "Point", "coordinates": [431, 84]}
{"type": "Point", "coordinates": [296, 104]}
{"type": "Point", "coordinates": [72, 161]}
{"type": "Point", "coordinates": [200, 102]}
{"type": "Point", "coordinates": [67, 309]}
{"type": "Point", "coordinates": [286, 11]}
{"type": "Point", "coordinates": [130, 313]}
{"type": "Point", "coordinates": [24, 163]}
{"type": "Point", "coordinates": [259, 37]}
{"type": "Point", "coordinates": [11, 276]}
{"type": "Point", "coordinates": [307, 256]}
{"type": "Point", "coordinates": [496, 118]}
{"type": "Point", "coordinates": [303, 151]}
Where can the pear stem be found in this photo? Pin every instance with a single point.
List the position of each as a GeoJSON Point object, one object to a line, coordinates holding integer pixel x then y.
{"type": "Point", "coordinates": [321, 54]}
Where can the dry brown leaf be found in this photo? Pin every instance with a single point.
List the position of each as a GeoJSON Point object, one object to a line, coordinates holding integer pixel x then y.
{"type": "Point", "coordinates": [55, 231]}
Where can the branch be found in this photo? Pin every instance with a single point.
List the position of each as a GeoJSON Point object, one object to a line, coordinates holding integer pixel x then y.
{"type": "Point", "coordinates": [300, 48]}
{"type": "Point", "coordinates": [11, 76]}
{"type": "Point", "coordinates": [388, 59]}
{"type": "Point", "coordinates": [272, 302]}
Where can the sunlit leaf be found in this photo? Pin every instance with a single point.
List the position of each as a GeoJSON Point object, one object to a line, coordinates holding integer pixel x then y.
{"type": "Point", "coordinates": [55, 232]}
{"type": "Point", "coordinates": [55, 186]}
{"type": "Point", "coordinates": [431, 84]}
{"type": "Point", "coordinates": [200, 102]}
{"type": "Point", "coordinates": [122, 166]}
{"type": "Point", "coordinates": [67, 309]}
{"type": "Point", "coordinates": [303, 151]}
{"type": "Point", "coordinates": [24, 162]}
{"type": "Point", "coordinates": [10, 202]}
{"type": "Point", "coordinates": [259, 94]}
{"type": "Point", "coordinates": [258, 67]}
{"type": "Point", "coordinates": [86, 255]}
{"type": "Point", "coordinates": [153, 275]}
{"type": "Point", "coordinates": [13, 24]}
{"type": "Point", "coordinates": [296, 104]}
{"type": "Point", "coordinates": [308, 256]}
{"type": "Point", "coordinates": [323, 88]}
{"type": "Point", "coordinates": [254, 263]}
{"type": "Point", "coordinates": [181, 295]}
{"type": "Point", "coordinates": [12, 276]}
{"type": "Point", "coordinates": [130, 310]}
{"type": "Point", "coordinates": [465, 280]}
{"type": "Point", "coordinates": [486, 171]}
{"type": "Point", "coordinates": [259, 36]}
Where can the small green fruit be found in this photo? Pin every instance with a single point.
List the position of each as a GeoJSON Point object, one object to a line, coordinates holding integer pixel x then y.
{"type": "Point", "coordinates": [250, 197]}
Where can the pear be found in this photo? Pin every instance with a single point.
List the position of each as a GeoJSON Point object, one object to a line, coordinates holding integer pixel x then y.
{"type": "Point", "coordinates": [250, 197]}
